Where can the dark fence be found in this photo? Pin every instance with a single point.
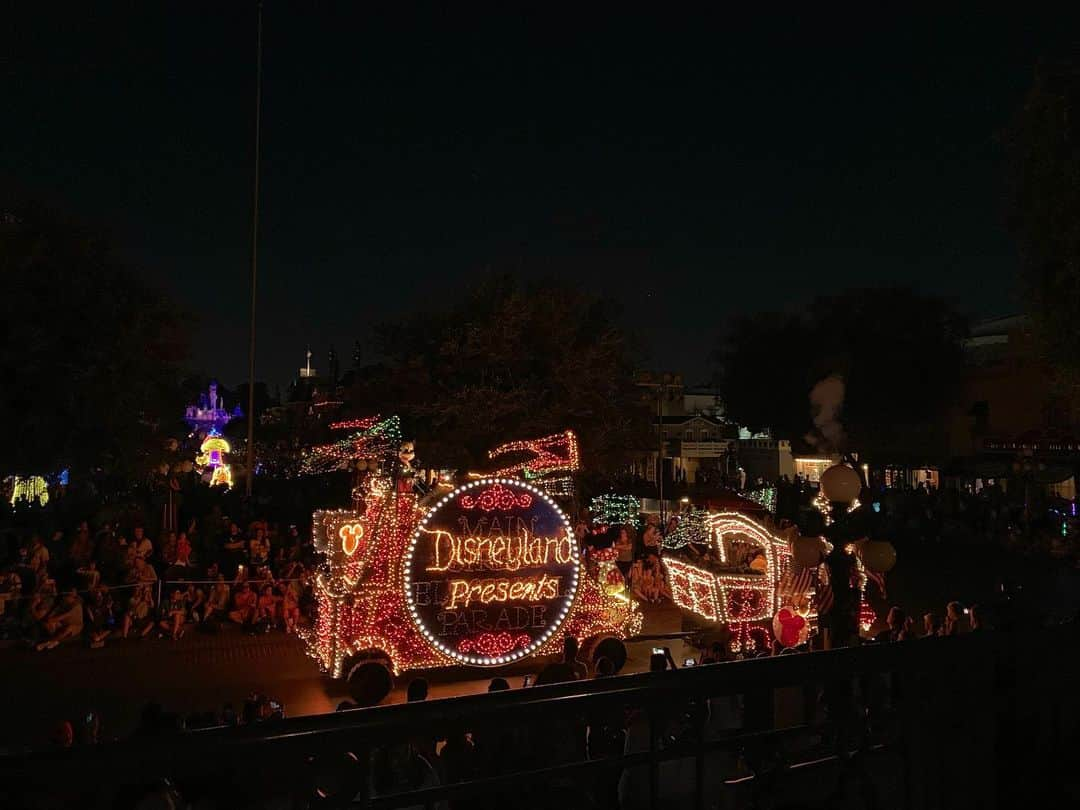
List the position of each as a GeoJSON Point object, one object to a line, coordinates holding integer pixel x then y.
{"type": "Point", "coordinates": [980, 721]}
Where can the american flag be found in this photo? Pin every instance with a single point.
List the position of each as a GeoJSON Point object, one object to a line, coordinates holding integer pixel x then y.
{"type": "Point", "coordinates": [825, 596]}
{"type": "Point", "coordinates": [824, 592]}
{"type": "Point", "coordinates": [797, 582]}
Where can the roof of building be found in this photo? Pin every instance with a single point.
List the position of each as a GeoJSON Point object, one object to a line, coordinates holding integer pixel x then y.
{"type": "Point", "coordinates": [681, 419]}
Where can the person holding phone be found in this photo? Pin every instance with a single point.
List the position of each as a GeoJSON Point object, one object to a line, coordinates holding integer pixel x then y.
{"type": "Point", "coordinates": [661, 660]}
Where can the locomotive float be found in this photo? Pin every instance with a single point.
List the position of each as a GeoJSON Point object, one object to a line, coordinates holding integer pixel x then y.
{"type": "Point", "coordinates": [484, 574]}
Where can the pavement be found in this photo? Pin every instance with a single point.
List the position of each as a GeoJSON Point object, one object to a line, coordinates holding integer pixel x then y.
{"type": "Point", "coordinates": [201, 673]}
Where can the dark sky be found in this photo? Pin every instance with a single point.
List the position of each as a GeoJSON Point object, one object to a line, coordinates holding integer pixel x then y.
{"type": "Point", "coordinates": [689, 167]}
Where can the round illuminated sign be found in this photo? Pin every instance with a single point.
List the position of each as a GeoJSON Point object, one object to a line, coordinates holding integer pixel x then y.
{"type": "Point", "coordinates": [491, 572]}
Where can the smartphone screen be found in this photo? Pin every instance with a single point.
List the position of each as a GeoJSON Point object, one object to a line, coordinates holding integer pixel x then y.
{"type": "Point", "coordinates": [690, 662]}
{"type": "Point", "coordinates": [657, 650]}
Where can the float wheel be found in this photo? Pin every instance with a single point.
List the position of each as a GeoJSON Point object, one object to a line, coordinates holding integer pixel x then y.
{"type": "Point", "coordinates": [611, 648]}
{"type": "Point", "coordinates": [370, 680]}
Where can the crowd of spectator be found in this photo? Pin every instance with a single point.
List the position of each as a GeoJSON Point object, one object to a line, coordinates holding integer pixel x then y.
{"type": "Point", "coordinates": [124, 582]}
{"type": "Point", "coordinates": [637, 555]}
{"type": "Point", "coordinates": [1023, 519]}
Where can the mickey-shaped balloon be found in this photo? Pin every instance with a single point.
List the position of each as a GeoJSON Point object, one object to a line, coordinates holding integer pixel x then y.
{"type": "Point", "coordinates": [789, 627]}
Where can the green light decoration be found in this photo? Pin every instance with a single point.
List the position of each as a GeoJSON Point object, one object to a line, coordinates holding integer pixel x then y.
{"type": "Point", "coordinates": [766, 496]}
{"type": "Point", "coordinates": [382, 439]}
{"type": "Point", "coordinates": [693, 527]}
{"type": "Point", "coordinates": [613, 510]}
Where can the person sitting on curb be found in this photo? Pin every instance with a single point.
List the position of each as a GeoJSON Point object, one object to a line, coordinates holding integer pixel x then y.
{"type": "Point", "coordinates": [64, 622]}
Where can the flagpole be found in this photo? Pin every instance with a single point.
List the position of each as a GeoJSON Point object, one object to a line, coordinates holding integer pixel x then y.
{"type": "Point", "coordinates": [249, 483]}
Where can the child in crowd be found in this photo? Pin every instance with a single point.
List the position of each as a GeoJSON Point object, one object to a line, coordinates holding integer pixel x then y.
{"type": "Point", "coordinates": [99, 610]}
{"type": "Point", "coordinates": [290, 608]}
{"type": "Point", "coordinates": [245, 602]}
{"type": "Point", "coordinates": [266, 609]}
{"type": "Point", "coordinates": [137, 619]}
{"type": "Point", "coordinates": [173, 616]}
{"type": "Point", "coordinates": [217, 603]}
{"type": "Point", "coordinates": [195, 598]}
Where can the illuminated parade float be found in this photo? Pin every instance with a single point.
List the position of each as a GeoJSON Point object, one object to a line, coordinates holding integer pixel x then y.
{"type": "Point", "coordinates": [740, 576]}
{"type": "Point", "coordinates": [484, 575]}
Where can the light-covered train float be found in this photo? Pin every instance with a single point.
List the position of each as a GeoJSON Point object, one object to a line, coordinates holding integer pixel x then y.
{"type": "Point", "coordinates": [738, 576]}
{"type": "Point", "coordinates": [485, 574]}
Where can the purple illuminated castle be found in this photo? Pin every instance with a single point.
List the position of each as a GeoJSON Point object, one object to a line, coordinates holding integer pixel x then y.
{"type": "Point", "coordinates": [209, 413]}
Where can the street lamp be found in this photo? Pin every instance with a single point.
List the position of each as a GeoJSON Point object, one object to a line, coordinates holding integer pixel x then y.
{"type": "Point", "coordinates": [840, 484]}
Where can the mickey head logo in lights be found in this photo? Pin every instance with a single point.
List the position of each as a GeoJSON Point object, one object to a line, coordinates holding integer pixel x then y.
{"type": "Point", "coordinates": [352, 538]}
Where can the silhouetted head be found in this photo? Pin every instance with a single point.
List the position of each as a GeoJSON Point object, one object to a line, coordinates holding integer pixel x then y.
{"type": "Point", "coordinates": [418, 690]}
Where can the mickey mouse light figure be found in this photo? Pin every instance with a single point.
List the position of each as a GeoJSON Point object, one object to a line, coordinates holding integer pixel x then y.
{"type": "Point", "coordinates": [406, 475]}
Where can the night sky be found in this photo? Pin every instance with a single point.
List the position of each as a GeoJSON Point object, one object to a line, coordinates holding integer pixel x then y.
{"type": "Point", "coordinates": [690, 168]}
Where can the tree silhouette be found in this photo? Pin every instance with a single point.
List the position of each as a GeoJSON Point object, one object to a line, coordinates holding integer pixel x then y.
{"type": "Point", "coordinates": [89, 354]}
{"type": "Point", "coordinates": [1044, 208]}
{"type": "Point", "coordinates": [898, 351]}
{"type": "Point", "coordinates": [510, 361]}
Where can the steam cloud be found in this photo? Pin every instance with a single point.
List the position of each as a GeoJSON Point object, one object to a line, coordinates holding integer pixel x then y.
{"type": "Point", "coordinates": [826, 402]}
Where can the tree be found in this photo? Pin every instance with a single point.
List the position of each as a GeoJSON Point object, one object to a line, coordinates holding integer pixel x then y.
{"type": "Point", "coordinates": [763, 358]}
{"type": "Point", "coordinates": [510, 361]}
{"type": "Point", "coordinates": [1044, 208]}
{"type": "Point", "coordinates": [898, 351]}
{"type": "Point", "coordinates": [89, 354]}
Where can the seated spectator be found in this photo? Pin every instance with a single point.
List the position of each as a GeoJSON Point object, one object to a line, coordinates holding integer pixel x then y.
{"type": "Point", "coordinates": [41, 606]}
{"type": "Point", "coordinates": [99, 612]}
{"type": "Point", "coordinates": [173, 616]}
{"type": "Point", "coordinates": [37, 555]}
{"type": "Point", "coordinates": [605, 667]}
{"type": "Point", "coordinates": [290, 608]}
{"type": "Point", "coordinates": [258, 549]}
{"type": "Point", "coordinates": [82, 547]}
{"type": "Point", "coordinates": [142, 545]}
{"type": "Point", "coordinates": [245, 602]}
{"type": "Point", "coordinates": [266, 608]}
{"type": "Point", "coordinates": [168, 548]}
{"type": "Point", "coordinates": [141, 572]}
{"type": "Point", "coordinates": [63, 622]}
{"type": "Point", "coordinates": [217, 603]}
{"type": "Point", "coordinates": [195, 598]}
{"type": "Point", "coordinates": [57, 546]}
{"type": "Point", "coordinates": [128, 555]}
{"type": "Point", "coordinates": [138, 618]}
{"type": "Point", "coordinates": [10, 590]}
{"type": "Point", "coordinates": [89, 575]}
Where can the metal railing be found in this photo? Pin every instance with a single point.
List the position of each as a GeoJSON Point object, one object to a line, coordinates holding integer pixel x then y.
{"type": "Point", "coordinates": [977, 721]}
